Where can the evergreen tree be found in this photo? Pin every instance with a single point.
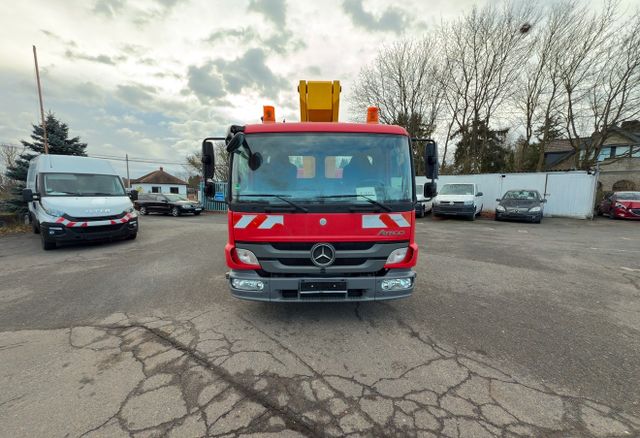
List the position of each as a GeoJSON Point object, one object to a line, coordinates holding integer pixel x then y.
{"type": "Point", "coordinates": [481, 150]}
{"type": "Point", "coordinates": [59, 144]}
{"type": "Point", "coordinates": [416, 128]}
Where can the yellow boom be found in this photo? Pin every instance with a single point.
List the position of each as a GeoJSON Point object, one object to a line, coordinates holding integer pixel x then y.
{"type": "Point", "coordinates": [319, 101]}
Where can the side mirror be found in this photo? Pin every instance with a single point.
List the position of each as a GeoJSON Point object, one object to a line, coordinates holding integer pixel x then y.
{"type": "Point", "coordinates": [431, 160]}
{"type": "Point", "coordinates": [208, 160]}
{"type": "Point", "coordinates": [430, 190]}
{"type": "Point", "coordinates": [544, 201]}
{"type": "Point", "coordinates": [236, 142]}
{"type": "Point", "coordinates": [133, 195]}
{"type": "Point", "coordinates": [498, 200]}
{"type": "Point", "coordinates": [209, 188]}
{"type": "Point", "coordinates": [27, 195]}
{"type": "Point", "coordinates": [479, 194]}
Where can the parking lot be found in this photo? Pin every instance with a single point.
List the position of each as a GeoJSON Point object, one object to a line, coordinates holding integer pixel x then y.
{"type": "Point", "coordinates": [513, 330]}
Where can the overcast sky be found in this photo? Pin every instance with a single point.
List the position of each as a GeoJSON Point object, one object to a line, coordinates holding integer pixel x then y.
{"type": "Point", "coordinates": [151, 78]}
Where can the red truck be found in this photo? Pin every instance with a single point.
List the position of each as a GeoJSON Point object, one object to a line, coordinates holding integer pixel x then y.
{"type": "Point", "coordinates": [320, 210]}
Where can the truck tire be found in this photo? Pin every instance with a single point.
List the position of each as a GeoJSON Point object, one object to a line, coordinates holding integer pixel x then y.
{"type": "Point", "coordinates": [47, 244]}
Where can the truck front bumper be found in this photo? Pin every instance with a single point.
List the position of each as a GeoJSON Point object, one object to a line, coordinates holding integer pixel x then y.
{"type": "Point", "coordinates": [340, 289]}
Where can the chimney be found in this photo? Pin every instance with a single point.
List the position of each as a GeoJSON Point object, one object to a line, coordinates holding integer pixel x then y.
{"type": "Point", "coordinates": [161, 169]}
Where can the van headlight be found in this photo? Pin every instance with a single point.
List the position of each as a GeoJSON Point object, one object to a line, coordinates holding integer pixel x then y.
{"type": "Point", "coordinates": [534, 209]}
{"type": "Point", "coordinates": [468, 202]}
{"type": "Point", "coordinates": [129, 210]}
{"type": "Point", "coordinates": [499, 208]}
{"type": "Point", "coordinates": [52, 211]}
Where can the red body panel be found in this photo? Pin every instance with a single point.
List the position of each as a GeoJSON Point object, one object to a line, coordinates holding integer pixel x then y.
{"type": "Point", "coordinates": [355, 128]}
{"type": "Point", "coordinates": [625, 213]}
{"type": "Point", "coordinates": [306, 227]}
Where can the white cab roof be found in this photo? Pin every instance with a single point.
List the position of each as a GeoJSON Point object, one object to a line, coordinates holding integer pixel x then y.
{"type": "Point", "coordinates": [72, 164]}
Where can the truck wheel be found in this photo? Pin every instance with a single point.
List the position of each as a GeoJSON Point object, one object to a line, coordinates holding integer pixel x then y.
{"type": "Point", "coordinates": [47, 244]}
{"type": "Point", "coordinates": [175, 212]}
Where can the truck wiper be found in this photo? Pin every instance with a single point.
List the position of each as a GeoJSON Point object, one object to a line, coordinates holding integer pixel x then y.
{"type": "Point", "coordinates": [280, 197]}
{"type": "Point", "coordinates": [371, 201]}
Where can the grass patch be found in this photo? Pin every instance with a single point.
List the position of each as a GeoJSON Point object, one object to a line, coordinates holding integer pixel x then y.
{"type": "Point", "coordinates": [14, 229]}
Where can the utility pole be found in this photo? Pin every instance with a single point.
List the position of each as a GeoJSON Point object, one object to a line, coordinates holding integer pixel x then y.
{"type": "Point", "coordinates": [128, 180]}
{"type": "Point", "coordinates": [44, 125]}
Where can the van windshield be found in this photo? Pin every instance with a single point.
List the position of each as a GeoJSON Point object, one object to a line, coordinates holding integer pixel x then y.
{"type": "Point", "coordinates": [456, 189]}
{"type": "Point", "coordinates": [81, 184]}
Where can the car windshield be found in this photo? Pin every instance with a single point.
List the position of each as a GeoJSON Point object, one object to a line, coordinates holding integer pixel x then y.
{"type": "Point", "coordinates": [456, 189]}
{"type": "Point", "coordinates": [319, 168]}
{"type": "Point", "coordinates": [522, 195]}
{"type": "Point", "coordinates": [82, 184]}
{"type": "Point", "coordinates": [174, 198]}
{"type": "Point", "coordinates": [628, 196]}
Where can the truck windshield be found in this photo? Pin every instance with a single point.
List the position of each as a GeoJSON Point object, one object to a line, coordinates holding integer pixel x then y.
{"type": "Point", "coordinates": [321, 168]}
{"type": "Point", "coordinates": [82, 184]}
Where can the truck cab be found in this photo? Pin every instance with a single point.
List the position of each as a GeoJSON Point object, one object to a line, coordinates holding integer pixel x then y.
{"type": "Point", "coordinates": [319, 211]}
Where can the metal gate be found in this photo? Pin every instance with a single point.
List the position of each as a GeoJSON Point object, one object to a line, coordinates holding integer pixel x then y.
{"type": "Point", "coordinates": [216, 202]}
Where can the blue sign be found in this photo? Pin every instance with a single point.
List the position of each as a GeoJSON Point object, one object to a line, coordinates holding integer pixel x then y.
{"type": "Point", "coordinates": [219, 196]}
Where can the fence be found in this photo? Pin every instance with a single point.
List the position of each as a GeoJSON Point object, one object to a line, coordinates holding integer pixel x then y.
{"type": "Point", "coordinates": [215, 203]}
{"type": "Point", "coordinates": [568, 194]}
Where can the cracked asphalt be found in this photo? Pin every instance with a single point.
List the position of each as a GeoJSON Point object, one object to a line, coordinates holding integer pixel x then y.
{"type": "Point", "coordinates": [514, 330]}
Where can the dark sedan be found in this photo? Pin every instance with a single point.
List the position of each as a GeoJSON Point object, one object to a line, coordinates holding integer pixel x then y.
{"type": "Point", "coordinates": [172, 204]}
{"type": "Point", "coordinates": [521, 205]}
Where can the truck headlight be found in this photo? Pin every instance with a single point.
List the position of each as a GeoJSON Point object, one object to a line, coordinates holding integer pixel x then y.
{"type": "Point", "coordinates": [254, 285]}
{"type": "Point", "coordinates": [396, 284]}
{"type": "Point", "coordinates": [534, 209]}
{"type": "Point", "coordinates": [247, 257]}
{"type": "Point", "coordinates": [397, 256]}
{"type": "Point", "coordinates": [500, 208]}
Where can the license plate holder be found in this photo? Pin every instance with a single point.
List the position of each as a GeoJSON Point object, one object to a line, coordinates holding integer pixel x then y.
{"type": "Point", "coordinates": [322, 286]}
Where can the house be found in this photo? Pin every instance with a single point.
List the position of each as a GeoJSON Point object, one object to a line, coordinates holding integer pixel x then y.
{"type": "Point", "coordinates": [159, 181]}
{"type": "Point", "coordinates": [618, 161]}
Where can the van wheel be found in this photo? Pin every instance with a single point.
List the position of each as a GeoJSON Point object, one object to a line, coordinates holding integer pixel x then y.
{"type": "Point", "coordinates": [132, 236]}
{"type": "Point", "coordinates": [34, 226]}
{"type": "Point", "coordinates": [47, 244]}
{"type": "Point", "coordinates": [472, 217]}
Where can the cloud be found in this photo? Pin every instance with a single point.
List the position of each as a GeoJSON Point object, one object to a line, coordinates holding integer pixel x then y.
{"type": "Point", "coordinates": [108, 8]}
{"type": "Point", "coordinates": [392, 19]}
{"type": "Point", "coordinates": [274, 10]}
{"type": "Point", "coordinates": [136, 95]}
{"type": "Point", "coordinates": [102, 59]}
{"type": "Point", "coordinates": [219, 77]}
{"type": "Point", "coordinates": [205, 83]}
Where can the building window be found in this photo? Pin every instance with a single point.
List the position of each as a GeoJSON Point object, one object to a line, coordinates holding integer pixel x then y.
{"type": "Point", "coordinates": [604, 154]}
{"type": "Point", "coordinates": [174, 190]}
{"type": "Point", "coordinates": [155, 189]}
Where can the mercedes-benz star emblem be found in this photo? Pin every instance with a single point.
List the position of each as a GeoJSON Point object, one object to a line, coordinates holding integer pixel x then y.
{"type": "Point", "coordinates": [323, 255]}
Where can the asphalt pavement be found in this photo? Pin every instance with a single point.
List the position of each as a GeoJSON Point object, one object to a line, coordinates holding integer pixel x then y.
{"type": "Point", "coordinates": [513, 330]}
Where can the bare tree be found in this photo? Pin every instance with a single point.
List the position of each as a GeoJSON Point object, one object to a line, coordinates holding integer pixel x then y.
{"type": "Point", "coordinates": [8, 155]}
{"type": "Point", "coordinates": [193, 162]}
{"type": "Point", "coordinates": [402, 82]}
{"type": "Point", "coordinates": [482, 54]}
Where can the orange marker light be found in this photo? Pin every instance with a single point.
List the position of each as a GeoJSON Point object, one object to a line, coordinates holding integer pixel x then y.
{"type": "Point", "coordinates": [268, 114]}
{"type": "Point", "coordinates": [373, 115]}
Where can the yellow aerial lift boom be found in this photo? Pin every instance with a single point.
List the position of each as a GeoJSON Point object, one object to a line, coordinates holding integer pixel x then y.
{"type": "Point", "coordinates": [319, 101]}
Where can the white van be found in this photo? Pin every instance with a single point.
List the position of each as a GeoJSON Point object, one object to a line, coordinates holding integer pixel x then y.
{"type": "Point", "coordinates": [424, 205]}
{"type": "Point", "coordinates": [78, 199]}
{"type": "Point", "coordinates": [458, 199]}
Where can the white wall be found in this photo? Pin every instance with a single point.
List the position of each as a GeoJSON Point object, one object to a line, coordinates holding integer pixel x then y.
{"type": "Point", "coordinates": [568, 194]}
{"type": "Point", "coordinates": [164, 188]}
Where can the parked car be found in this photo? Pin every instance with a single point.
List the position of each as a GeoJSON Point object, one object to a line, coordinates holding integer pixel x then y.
{"type": "Point", "coordinates": [73, 199]}
{"type": "Point", "coordinates": [458, 199]}
{"type": "Point", "coordinates": [172, 204]}
{"type": "Point", "coordinates": [424, 205]}
{"type": "Point", "coordinates": [625, 205]}
{"type": "Point", "coordinates": [523, 204]}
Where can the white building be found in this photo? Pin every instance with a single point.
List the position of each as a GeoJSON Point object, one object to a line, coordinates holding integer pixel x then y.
{"type": "Point", "coordinates": [159, 181]}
